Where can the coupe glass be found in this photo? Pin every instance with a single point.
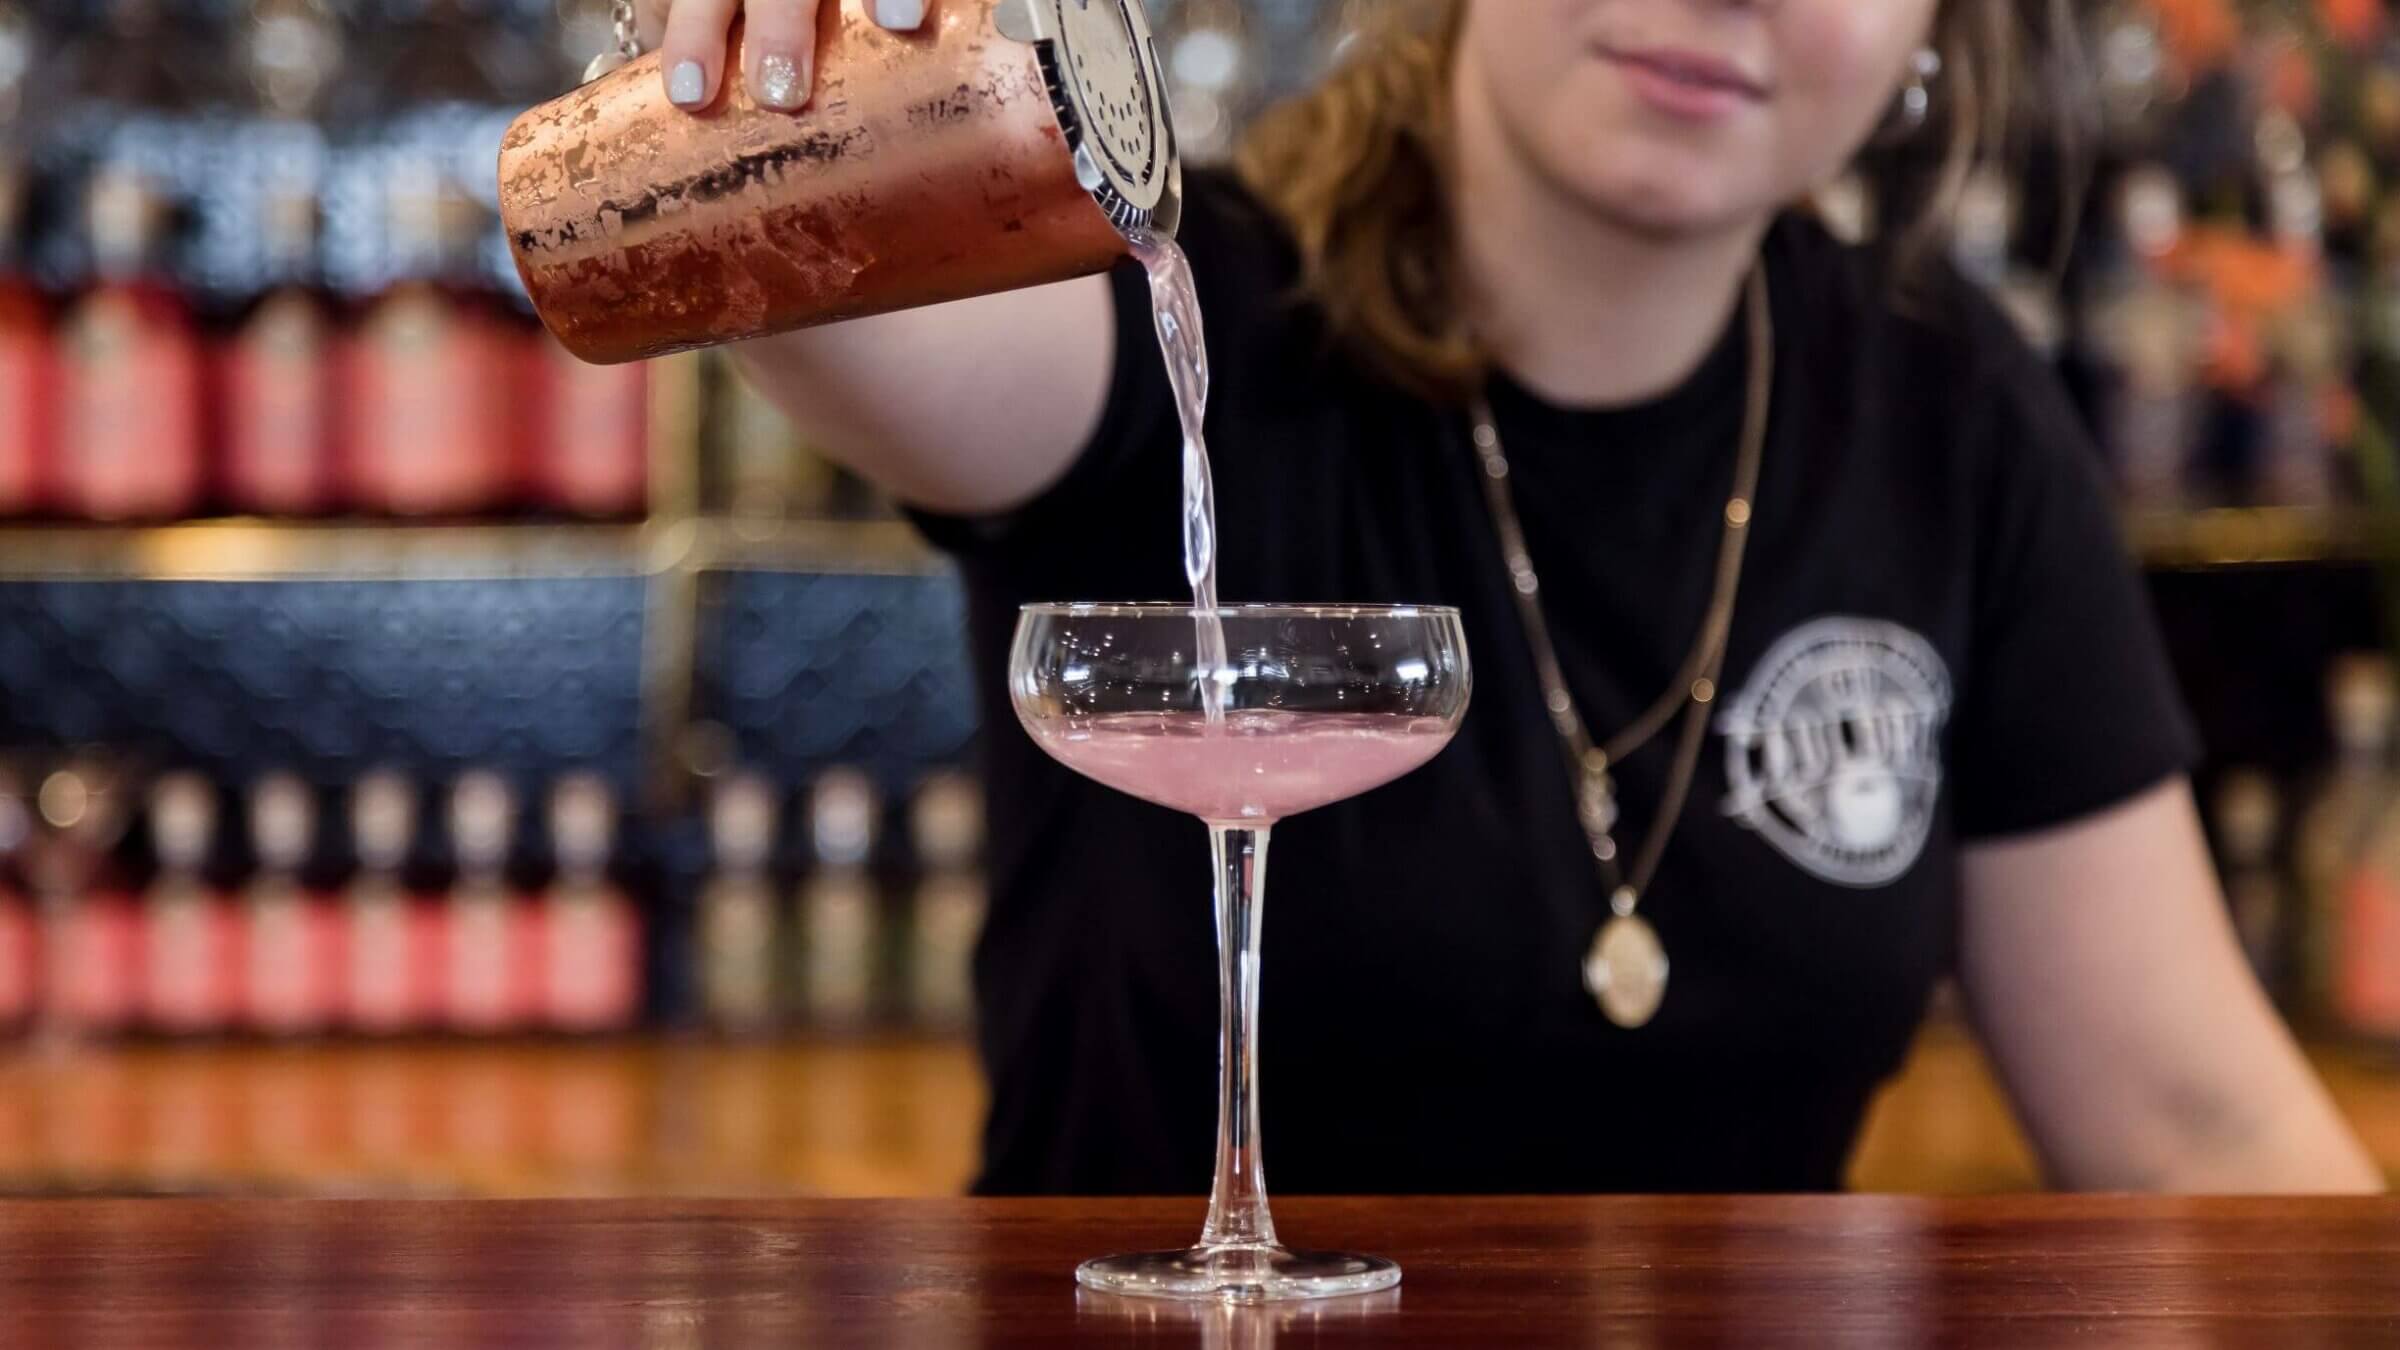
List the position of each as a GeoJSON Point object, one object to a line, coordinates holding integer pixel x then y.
{"type": "Point", "coordinates": [1317, 704]}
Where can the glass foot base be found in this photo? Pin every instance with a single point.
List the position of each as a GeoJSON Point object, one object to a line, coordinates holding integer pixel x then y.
{"type": "Point", "coordinates": [1238, 1274]}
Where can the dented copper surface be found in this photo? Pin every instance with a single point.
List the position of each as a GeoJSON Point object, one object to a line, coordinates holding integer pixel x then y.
{"type": "Point", "coordinates": [929, 166]}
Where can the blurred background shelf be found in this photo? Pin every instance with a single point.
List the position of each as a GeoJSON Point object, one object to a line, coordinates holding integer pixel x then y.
{"type": "Point", "coordinates": [257, 550]}
{"type": "Point", "coordinates": [248, 549]}
{"type": "Point", "coordinates": [251, 550]}
{"type": "Point", "coordinates": [2260, 536]}
{"type": "Point", "coordinates": [648, 1116]}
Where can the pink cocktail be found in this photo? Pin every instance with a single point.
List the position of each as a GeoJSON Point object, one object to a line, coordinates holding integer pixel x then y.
{"type": "Point", "coordinates": [1309, 706]}
{"type": "Point", "coordinates": [1253, 765]}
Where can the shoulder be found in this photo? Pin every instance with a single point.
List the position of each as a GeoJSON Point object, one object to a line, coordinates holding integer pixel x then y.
{"type": "Point", "coordinates": [1933, 354]}
{"type": "Point", "coordinates": [1930, 329]}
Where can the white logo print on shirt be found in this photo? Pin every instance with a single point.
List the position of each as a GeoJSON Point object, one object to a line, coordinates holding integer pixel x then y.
{"type": "Point", "coordinates": [1833, 749]}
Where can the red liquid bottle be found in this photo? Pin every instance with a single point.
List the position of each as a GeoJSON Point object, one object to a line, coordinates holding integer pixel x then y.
{"type": "Point", "coordinates": [432, 427]}
{"type": "Point", "coordinates": [18, 952]}
{"type": "Point", "coordinates": [278, 378]}
{"type": "Point", "coordinates": [89, 932]}
{"type": "Point", "coordinates": [591, 437]}
{"type": "Point", "coordinates": [591, 941]}
{"type": "Point", "coordinates": [190, 964]}
{"type": "Point", "coordinates": [291, 944]}
{"type": "Point", "coordinates": [392, 982]}
{"type": "Point", "coordinates": [27, 375]}
{"type": "Point", "coordinates": [130, 388]}
{"type": "Point", "coordinates": [491, 949]}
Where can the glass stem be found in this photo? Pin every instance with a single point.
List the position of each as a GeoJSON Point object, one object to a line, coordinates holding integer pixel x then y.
{"type": "Point", "coordinates": [1237, 1208]}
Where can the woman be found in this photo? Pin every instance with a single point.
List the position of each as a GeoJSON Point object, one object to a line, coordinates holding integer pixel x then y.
{"type": "Point", "coordinates": [1937, 739]}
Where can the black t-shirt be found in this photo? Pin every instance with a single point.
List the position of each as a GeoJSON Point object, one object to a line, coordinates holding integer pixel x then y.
{"type": "Point", "coordinates": [1938, 639]}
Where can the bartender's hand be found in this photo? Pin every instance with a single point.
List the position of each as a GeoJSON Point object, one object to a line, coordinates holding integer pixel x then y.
{"type": "Point", "coordinates": [779, 65]}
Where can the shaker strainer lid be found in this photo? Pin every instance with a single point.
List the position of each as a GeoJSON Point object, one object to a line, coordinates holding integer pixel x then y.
{"type": "Point", "coordinates": [1104, 78]}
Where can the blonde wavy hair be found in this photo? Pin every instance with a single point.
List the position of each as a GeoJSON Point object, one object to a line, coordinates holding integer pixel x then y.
{"type": "Point", "coordinates": [1355, 169]}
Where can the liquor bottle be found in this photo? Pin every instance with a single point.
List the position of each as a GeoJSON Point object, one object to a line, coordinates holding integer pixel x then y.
{"type": "Point", "coordinates": [432, 426]}
{"type": "Point", "coordinates": [27, 373]}
{"type": "Point", "coordinates": [946, 913]}
{"type": "Point", "coordinates": [591, 443]}
{"type": "Point", "coordinates": [279, 374]}
{"type": "Point", "coordinates": [89, 934]}
{"type": "Point", "coordinates": [190, 967]}
{"type": "Point", "coordinates": [17, 933]}
{"type": "Point", "coordinates": [2246, 813]}
{"type": "Point", "coordinates": [291, 948]}
{"type": "Point", "coordinates": [1986, 225]}
{"type": "Point", "coordinates": [130, 433]}
{"type": "Point", "coordinates": [737, 939]}
{"type": "Point", "coordinates": [2147, 332]}
{"type": "Point", "coordinates": [281, 365]}
{"type": "Point", "coordinates": [392, 982]}
{"type": "Point", "coordinates": [2308, 352]}
{"type": "Point", "coordinates": [838, 919]}
{"type": "Point", "coordinates": [2333, 831]}
{"type": "Point", "coordinates": [591, 938]}
{"type": "Point", "coordinates": [487, 967]}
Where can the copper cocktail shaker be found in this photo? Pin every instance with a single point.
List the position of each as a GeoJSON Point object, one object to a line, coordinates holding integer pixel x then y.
{"type": "Point", "coordinates": [1006, 143]}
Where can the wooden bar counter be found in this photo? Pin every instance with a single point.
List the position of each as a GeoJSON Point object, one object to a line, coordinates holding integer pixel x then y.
{"type": "Point", "coordinates": [950, 1274]}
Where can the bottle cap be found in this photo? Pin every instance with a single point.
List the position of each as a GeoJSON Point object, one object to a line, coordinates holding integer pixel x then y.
{"type": "Point", "coordinates": [841, 819]}
{"type": "Point", "coordinates": [383, 819]}
{"type": "Point", "coordinates": [483, 819]}
{"type": "Point", "coordinates": [183, 819]}
{"type": "Point", "coordinates": [583, 822]}
{"type": "Point", "coordinates": [292, 50]}
{"type": "Point", "coordinates": [283, 821]}
{"type": "Point", "coordinates": [741, 822]}
{"type": "Point", "coordinates": [946, 821]}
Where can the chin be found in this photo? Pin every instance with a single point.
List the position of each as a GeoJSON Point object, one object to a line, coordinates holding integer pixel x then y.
{"type": "Point", "coordinates": [1663, 194]}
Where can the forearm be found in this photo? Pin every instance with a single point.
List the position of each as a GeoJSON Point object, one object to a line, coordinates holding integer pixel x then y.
{"type": "Point", "coordinates": [2256, 1120]}
{"type": "Point", "coordinates": [2141, 1053]}
{"type": "Point", "coordinates": [971, 407]}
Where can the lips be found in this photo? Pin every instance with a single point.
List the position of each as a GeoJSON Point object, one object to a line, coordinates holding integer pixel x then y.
{"type": "Point", "coordinates": [1700, 70]}
{"type": "Point", "coordinates": [1689, 87]}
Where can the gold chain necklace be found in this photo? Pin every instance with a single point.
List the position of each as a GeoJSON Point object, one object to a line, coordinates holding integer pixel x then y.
{"type": "Point", "coordinates": [1626, 968]}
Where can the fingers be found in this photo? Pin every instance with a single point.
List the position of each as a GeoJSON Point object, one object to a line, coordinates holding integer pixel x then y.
{"type": "Point", "coordinates": [691, 57]}
{"type": "Point", "coordinates": [650, 20]}
{"type": "Point", "coordinates": [901, 16]}
{"type": "Point", "coordinates": [780, 52]}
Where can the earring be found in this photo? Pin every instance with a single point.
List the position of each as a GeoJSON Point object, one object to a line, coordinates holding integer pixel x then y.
{"type": "Point", "coordinates": [1916, 96]}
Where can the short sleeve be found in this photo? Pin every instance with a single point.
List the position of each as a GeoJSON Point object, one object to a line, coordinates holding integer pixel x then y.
{"type": "Point", "coordinates": [2069, 705]}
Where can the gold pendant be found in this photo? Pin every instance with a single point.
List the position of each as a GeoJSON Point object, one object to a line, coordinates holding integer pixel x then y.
{"type": "Point", "coordinates": [1626, 970]}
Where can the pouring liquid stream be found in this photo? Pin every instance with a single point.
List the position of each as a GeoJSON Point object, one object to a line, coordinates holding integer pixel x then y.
{"type": "Point", "coordinates": [1175, 307]}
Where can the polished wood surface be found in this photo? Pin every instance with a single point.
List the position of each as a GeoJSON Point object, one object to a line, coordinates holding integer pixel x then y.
{"type": "Point", "coordinates": [656, 1117]}
{"type": "Point", "coordinates": [937, 1274]}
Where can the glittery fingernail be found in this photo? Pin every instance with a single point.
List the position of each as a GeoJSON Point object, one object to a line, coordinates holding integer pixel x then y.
{"type": "Point", "coordinates": [780, 84]}
{"type": "Point", "coordinates": [687, 85]}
